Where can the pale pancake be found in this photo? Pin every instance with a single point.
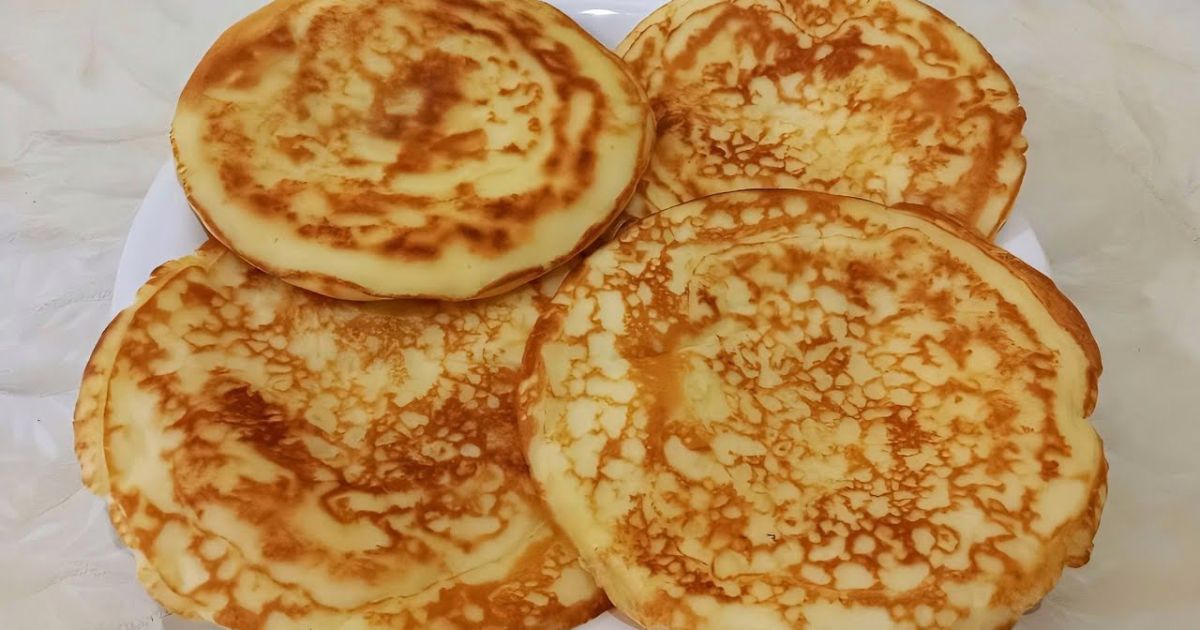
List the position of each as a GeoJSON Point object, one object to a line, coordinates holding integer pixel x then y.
{"type": "Point", "coordinates": [277, 459]}
{"type": "Point", "coordinates": [886, 100]}
{"type": "Point", "coordinates": [449, 149]}
{"type": "Point", "coordinates": [785, 409]}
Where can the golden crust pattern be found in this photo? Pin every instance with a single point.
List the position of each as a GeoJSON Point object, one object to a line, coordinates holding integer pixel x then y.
{"type": "Point", "coordinates": [884, 100]}
{"type": "Point", "coordinates": [277, 459]}
{"type": "Point", "coordinates": [397, 134]}
{"type": "Point", "coordinates": [797, 410]}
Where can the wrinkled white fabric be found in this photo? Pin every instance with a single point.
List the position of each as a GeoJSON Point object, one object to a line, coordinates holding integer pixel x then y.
{"type": "Point", "coordinates": [1112, 90]}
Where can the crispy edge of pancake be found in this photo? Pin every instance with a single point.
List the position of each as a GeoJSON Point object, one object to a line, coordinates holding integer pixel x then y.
{"type": "Point", "coordinates": [987, 229]}
{"type": "Point", "coordinates": [1070, 545]}
{"type": "Point", "coordinates": [88, 420]}
{"type": "Point", "coordinates": [259, 23]}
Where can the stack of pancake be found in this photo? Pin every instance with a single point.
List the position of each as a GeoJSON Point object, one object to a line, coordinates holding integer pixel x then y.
{"type": "Point", "coordinates": [418, 378]}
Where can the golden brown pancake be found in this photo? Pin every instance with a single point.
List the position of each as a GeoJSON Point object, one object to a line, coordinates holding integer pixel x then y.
{"type": "Point", "coordinates": [277, 459]}
{"type": "Point", "coordinates": [886, 100]}
{"type": "Point", "coordinates": [786, 409]}
{"type": "Point", "coordinates": [449, 149]}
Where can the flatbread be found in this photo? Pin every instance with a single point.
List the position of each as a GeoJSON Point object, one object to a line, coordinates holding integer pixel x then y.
{"type": "Point", "coordinates": [785, 409]}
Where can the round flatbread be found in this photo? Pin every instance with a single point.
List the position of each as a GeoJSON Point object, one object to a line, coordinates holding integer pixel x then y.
{"type": "Point", "coordinates": [277, 459]}
{"type": "Point", "coordinates": [445, 149]}
{"type": "Point", "coordinates": [785, 409]}
{"type": "Point", "coordinates": [886, 100]}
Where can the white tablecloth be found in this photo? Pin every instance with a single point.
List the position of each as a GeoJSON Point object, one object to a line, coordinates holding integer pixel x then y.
{"type": "Point", "coordinates": [1112, 90]}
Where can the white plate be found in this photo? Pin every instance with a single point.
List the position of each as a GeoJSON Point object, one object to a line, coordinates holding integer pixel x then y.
{"type": "Point", "coordinates": [165, 228]}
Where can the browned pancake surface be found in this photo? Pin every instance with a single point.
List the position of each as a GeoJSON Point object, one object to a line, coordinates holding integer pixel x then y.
{"type": "Point", "coordinates": [884, 100]}
{"type": "Point", "coordinates": [778, 409]}
{"type": "Point", "coordinates": [281, 460]}
{"type": "Point", "coordinates": [416, 148]}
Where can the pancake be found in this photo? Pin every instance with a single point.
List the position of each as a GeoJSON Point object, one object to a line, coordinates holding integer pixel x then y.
{"type": "Point", "coordinates": [445, 149]}
{"type": "Point", "coordinates": [889, 101]}
{"type": "Point", "coordinates": [90, 432]}
{"type": "Point", "coordinates": [786, 409]}
{"type": "Point", "coordinates": [277, 459]}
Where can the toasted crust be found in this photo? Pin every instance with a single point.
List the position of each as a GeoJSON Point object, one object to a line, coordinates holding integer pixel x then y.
{"type": "Point", "coordinates": [889, 101]}
{"type": "Point", "coordinates": [276, 459]}
{"type": "Point", "coordinates": [371, 149]}
{"type": "Point", "coordinates": [791, 409]}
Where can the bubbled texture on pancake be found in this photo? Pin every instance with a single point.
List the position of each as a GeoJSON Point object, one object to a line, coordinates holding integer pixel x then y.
{"type": "Point", "coordinates": [884, 100]}
{"type": "Point", "coordinates": [779, 409]}
{"type": "Point", "coordinates": [277, 459]}
{"type": "Point", "coordinates": [416, 148]}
